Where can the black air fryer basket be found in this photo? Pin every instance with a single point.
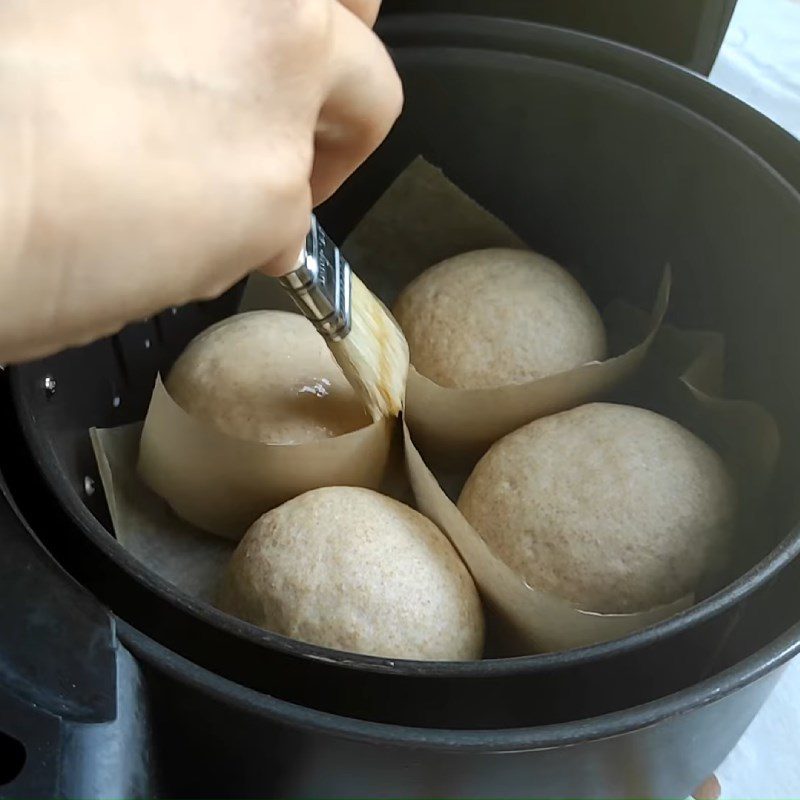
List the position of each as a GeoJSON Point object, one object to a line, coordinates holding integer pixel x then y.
{"type": "Point", "coordinates": [600, 156]}
{"type": "Point", "coordinates": [687, 32]}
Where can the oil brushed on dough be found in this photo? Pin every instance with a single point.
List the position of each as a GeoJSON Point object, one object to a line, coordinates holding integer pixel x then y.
{"type": "Point", "coordinates": [266, 376]}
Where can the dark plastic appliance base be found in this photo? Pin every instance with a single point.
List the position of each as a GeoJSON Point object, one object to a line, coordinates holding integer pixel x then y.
{"type": "Point", "coordinates": [126, 715]}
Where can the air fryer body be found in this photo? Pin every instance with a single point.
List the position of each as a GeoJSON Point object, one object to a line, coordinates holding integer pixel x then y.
{"type": "Point", "coordinates": [687, 32]}
{"type": "Point", "coordinates": [201, 745]}
{"type": "Point", "coordinates": [104, 711]}
{"type": "Point", "coordinates": [612, 162]}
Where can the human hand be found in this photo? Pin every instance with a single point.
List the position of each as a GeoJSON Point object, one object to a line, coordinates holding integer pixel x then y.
{"type": "Point", "coordinates": [154, 153]}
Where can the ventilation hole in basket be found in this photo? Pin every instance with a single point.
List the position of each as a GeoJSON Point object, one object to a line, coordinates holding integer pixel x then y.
{"type": "Point", "coordinates": [12, 758]}
{"type": "Point", "coordinates": [88, 485]}
{"type": "Point", "coordinates": [49, 384]}
{"type": "Point", "coordinates": [116, 393]}
{"type": "Point", "coordinates": [147, 343]}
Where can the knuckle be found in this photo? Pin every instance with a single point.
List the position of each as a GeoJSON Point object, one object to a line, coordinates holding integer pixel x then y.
{"type": "Point", "coordinates": [268, 211]}
{"type": "Point", "coordinates": [388, 108]}
{"type": "Point", "coordinates": [284, 208]}
{"type": "Point", "coordinates": [288, 174]}
{"type": "Point", "coordinates": [277, 170]}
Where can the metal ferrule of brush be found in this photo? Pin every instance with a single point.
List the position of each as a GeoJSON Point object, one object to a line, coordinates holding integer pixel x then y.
{"type": "Point", "coordinates": [320, 284]}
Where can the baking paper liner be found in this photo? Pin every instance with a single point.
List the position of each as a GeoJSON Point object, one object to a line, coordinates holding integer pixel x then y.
{"type": "Point", "coordinates": [683, 378]}
{"type": "Point", "coordinates": [421, 219]}
{"type": "Point", "coordinates": [147, 527]}
{"type": "Point", "coordinates": [185, 556]}
{"type": "Point", "coordinates": [222, 484]}
{"type": "Point", "coordinates": [682, 372]}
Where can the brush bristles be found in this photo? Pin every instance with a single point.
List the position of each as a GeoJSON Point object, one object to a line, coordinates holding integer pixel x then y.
{"type": "Point", "coordinates": [374, 355]}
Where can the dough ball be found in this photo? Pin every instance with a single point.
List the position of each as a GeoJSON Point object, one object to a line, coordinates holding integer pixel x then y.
{"type": "Point", "coordinates": [354, 570]}
{"type": "Point", "coordinates": [614, 508]}
{"type": "Point", "coordinates": [266, 376]}
{"type": "Point", "coordinates": [497, 317]}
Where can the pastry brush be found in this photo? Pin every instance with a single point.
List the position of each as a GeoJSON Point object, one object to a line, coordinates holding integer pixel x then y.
{"type": "Point", "coordinates": [364, 338]}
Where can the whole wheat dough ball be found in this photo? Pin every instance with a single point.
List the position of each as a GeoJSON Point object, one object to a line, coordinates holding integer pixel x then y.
{"type": "Point", "coordinates": [496, 317]}
{"type": "Point", "coordinates": [612, 507]}
{"type": "Point", "coordinates": [353, 570]}
{"type": "Point", "coordinates": [266, 376]}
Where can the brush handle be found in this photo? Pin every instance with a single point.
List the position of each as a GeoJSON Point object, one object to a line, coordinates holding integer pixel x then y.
{"type": "Point", "coordinates": [320, 284]}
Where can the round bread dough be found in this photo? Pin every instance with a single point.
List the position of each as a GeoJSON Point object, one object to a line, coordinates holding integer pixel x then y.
{"type": "Point", "coordinates": [266, 376]}
{"type": "Point", "coordinates": [354, 570]}
{"type": "Point", "coordinates": [611, 507]}
{"type": "Point", "coordinates": [497, 317]}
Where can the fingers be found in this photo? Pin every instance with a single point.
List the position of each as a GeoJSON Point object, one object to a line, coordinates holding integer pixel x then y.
{"type": "Point", "coordinates": [297, 223]}
{"type": "Point", "coordinates": [364, 100]}
{"type": "Point", "coordinates": [288, 259]}
{"type": "Point", "coordinates": [365, 10]}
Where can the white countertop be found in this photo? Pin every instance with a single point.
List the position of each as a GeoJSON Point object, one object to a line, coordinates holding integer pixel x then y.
{"type": "Point", "coordinates": [760, 63]}
{"type": "Point", "coordinates": [766, 762]}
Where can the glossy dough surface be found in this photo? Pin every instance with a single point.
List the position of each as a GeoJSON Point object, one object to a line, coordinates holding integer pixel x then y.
{"type": "Point", "coordinates": [266, 376]}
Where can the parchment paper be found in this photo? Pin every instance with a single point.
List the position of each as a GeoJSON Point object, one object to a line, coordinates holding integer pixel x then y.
{"type": "Point", "coordinates": [681, 372]}
{"type": "Point", "coordinates": [421, 219]}
{"type": "Point", "coordinates": [189, 558]}
{"type": "Point", "coordinates": [222, 485]}
{"type": "Point", "coordinates": [467, 421]}
{"type": "Point", "coordinates": [145, 525]}
{"type": "Point", "coordinates": [683, 378]}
